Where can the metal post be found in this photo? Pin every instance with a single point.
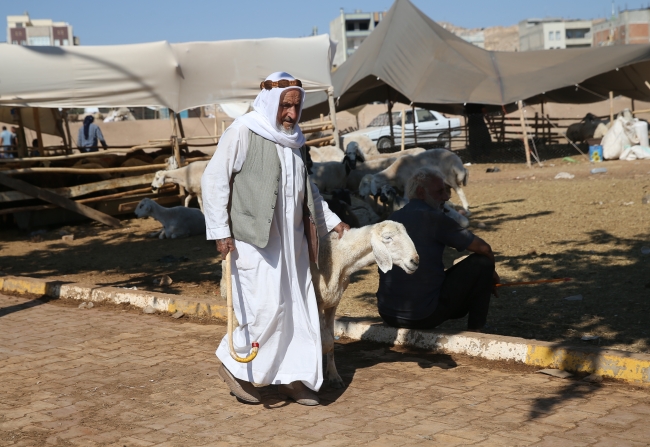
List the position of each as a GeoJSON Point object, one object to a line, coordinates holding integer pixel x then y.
{"type": "Point", "coordinates": [415, 132]}
{"type": "Point", "coordinates": [390, 122]}
{"type": "Point", "coordinates": [335, 131]}
{"type": "Point", "coordinates": [403, 126]}
{"type": "Point", "coordinates": [611, 107]}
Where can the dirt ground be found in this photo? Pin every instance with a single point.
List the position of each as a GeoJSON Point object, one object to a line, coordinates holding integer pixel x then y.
{"type": "Point", "coordinates": [591, 228]}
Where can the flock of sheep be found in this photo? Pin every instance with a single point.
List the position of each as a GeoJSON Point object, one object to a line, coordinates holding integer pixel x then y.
{"type": "Point", "coordinates": [362, 187]}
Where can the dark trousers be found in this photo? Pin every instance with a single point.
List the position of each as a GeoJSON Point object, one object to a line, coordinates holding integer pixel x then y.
{"type": "Point", "coordinates": [466, 290]}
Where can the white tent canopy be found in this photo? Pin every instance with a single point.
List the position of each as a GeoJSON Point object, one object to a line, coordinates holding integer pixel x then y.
{"type": "Point", "coordinates": [177, 76]}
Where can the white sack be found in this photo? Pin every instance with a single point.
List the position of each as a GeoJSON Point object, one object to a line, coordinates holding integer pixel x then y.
{"type": "Point", "coordinates": [636, 153]}
{"type": "Point", "coordinates": [621, 134]}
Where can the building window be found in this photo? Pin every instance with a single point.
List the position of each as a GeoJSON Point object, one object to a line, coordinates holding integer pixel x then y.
{"type": "Point", "coordinates": [39, 41]}
{"type": "Point", "coordinates": [357, 25]}
{"type": "Point", "coordinates": [577, 33]}
{"type": "Point", "coordinates": [550, 35]}
{"type": "Point", "coordinates": [19, 24]}
{"type": "Point", "coordinates": [557, 35]}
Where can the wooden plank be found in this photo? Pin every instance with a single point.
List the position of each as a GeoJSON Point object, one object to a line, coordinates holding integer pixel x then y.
{"type": "Point", "coordinates": [81, 190]}
{"type": "Point", "coordinates": [58, 200]}
{"type": "Point", "coordinates": [318, 141]}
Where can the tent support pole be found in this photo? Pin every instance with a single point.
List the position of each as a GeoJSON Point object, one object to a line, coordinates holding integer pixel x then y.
{"type": "Point", "coordinates": [37, 125]}
{"type": "Point", "coordinates": [523, 130]}
{"type": "Point", "coordinates": [632, 104]}
{"type": "Point", "coordinates": [175, 147]}
{"type": "Point", "coordinates": [390, 122]}
{"type": "Point", "coordinates": [335, 131]}
{"type": "Point", "coordinates": [216, 124]}
{"type": "Point", "coordinates": [415, 132]}
{"type": "Point", "coordinates": [180, 125]}
{"type": "Point", "coordinates": [59, 127]}
{"type": "Point", "coordinates": [611, 107]}
{"type": "Point", "coordinates": [67, 128]}
{"type": "Point", "coordinates": [22, 142]}
{"type": "Point", "coordinates": [403, 128]}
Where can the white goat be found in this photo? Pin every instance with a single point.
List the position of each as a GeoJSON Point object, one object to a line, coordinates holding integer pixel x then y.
{"type": "Point", "coordinates": [394, 202]}
{"type": "Point", "coordinates": [177, 221]}
{"type": "Point", "coordinates": [386, 243]}
{"type": "Point", "coordinates": [333, 175]}
{"type": "Point", "coordinates": [396, 175]}
{"type": "Point", "coordinates": [189, 177]}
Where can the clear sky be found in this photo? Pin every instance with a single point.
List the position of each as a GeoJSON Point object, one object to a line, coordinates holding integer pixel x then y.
{"type": "Point", "coordinates": [106, 22]}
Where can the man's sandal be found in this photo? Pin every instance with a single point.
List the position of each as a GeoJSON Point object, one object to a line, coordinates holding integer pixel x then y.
{"type": "Point", "coordinates": [242, 390]}
{"type": "Point", "coordinates": [299, 393]}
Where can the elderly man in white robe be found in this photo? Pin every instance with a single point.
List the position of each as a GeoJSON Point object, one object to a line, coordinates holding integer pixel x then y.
{"type": "Point", "coordinates": [254, 194]}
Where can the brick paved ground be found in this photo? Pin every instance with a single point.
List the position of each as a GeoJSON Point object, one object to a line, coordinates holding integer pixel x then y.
{"type": "Point", "coordinates": [108, 377]}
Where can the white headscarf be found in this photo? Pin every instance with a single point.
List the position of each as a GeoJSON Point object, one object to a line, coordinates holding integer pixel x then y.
{"type": "Point", "coordinates": [263, 119]}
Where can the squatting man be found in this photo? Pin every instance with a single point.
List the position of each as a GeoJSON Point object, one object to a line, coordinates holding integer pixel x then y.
{"type": "Point", "coordinates": [255, 192]}
{"type": "Point", "coordinates": [432, 294]}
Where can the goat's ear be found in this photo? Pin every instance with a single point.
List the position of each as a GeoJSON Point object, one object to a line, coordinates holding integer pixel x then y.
{"type": "Point", "coordinates": [379, 249]}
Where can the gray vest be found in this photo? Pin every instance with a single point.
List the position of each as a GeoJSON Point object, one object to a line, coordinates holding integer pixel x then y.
{"type": "Point", "coordinates": [254, 192]}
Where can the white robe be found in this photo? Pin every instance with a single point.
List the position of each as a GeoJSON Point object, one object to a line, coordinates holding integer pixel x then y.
{"type": "Point", "coordinates": [273, 294]}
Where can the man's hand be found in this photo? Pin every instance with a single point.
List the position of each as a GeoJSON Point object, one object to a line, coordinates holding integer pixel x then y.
{"type": "Point", "coordinates": [225, 246]}
{"type": "Point", "coordinates": [341, 228]}
{"type": "Point", "coordinates": [497, 280]}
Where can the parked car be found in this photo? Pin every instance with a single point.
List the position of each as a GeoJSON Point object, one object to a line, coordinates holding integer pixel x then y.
{"type": "Point", "coordinates": [431, 127]}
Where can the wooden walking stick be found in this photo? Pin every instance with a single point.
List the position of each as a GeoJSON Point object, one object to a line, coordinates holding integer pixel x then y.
{"type": "Point", "coordinates": [231, 345]}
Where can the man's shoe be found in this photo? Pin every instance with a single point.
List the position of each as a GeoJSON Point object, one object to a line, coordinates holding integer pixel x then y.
{"type": "Point", "coordinates": [299, 392]}
{"type": "Point", "coordinates": [242, 390]}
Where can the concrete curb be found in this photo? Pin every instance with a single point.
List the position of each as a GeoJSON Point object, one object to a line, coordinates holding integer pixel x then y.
{"type": "Point", "coordinates": [627, 366]}
{"type": "Point", "coordinates": [84, 292]}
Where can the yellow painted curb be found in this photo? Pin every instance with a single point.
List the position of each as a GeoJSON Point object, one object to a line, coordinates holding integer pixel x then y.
{"type": "Point", "coordinates": [626, 366]}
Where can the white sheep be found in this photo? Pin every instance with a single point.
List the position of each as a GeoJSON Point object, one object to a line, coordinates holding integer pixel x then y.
{"type": "Point", "coordinates": [332, 175]}
{"type": "Point", "coordinates": [375, 164]}
{"type": "Point", "coordinates": [189, 177]}
{"type": "Point", "coordinates": [412, 151]}
{"type": "Point", "coordinates": [177, 221]}
{"type": "Point", "coordinates": [394, 202]}
{"type": "Point", "coordinates": [325, 154]}
{"type": "Point", "coordinates": [386, 243]}
{"type": "Point", "coordinates": [368, 147]}
{"type": "Point", "coordinates": [396, 175]}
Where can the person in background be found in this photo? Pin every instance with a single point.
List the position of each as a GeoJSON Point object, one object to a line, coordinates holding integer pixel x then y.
{"type": "Point", "coordinates": [89, 135]}
{"type": "Point", "coordinates": [6, 141]}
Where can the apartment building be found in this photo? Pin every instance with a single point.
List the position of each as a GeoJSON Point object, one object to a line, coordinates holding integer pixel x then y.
{"type": "Point", "coordinates": [628, 27]}
{"type": "Point", "coordinates": [553, 33]}
{"type": "Point", "coordinates": [23, 30]}
{"type": "Point", "coordinates": [350, 30]}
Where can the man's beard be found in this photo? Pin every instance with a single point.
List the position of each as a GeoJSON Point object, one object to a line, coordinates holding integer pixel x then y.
{"type": "Point", "coordinates": [286, 131]}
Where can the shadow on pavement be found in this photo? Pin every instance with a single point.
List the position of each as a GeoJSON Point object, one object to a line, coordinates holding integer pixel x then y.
{"type": "Point", "coordinates": [23, 306]}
